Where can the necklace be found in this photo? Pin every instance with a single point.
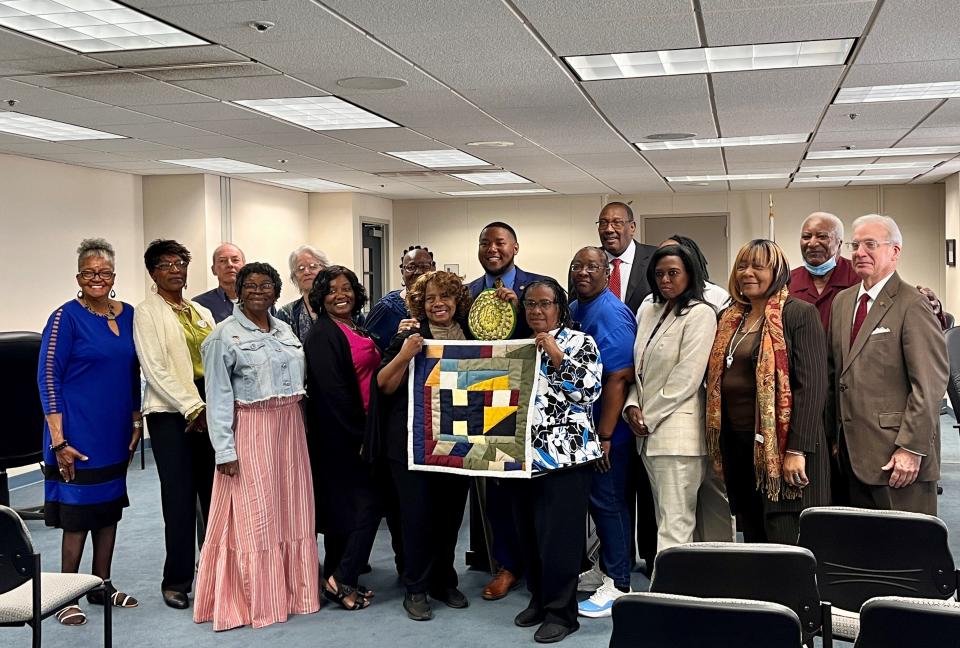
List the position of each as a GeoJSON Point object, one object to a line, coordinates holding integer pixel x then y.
{"type": "Point", "coordinates": [110, 314]}
{"type": "Point", "coordinates": [345, 322]}
{"type": "Point", "coordinates": [731, 348]}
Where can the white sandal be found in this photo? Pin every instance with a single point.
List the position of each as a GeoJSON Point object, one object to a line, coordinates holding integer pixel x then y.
{"type": "Point", "coordinates": [71, 612]}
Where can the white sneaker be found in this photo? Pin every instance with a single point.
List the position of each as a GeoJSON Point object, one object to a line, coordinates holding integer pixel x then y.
{"type": "Point", "coordinates": [590, 580]}
{"type": "Point", "coordinates": [601, 603]}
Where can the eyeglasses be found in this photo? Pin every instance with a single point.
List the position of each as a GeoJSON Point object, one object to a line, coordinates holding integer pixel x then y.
{"type": "Point", "coordinates": [313, 267]}
{"type": "Point", "coordinates": [413, 267]}
{"type": "Point", "coordinates": [170, 267]}
{"type": "Point", "coordinates": [869, 244]}
{"type": "Point", "coordinates": [543, 304]}
{"type": "Point", "coordinates": [592, 268]}
{"type": "Point", "coordinates": [266, 286]}
{"type": "Point", "coordinates": [106, 275]}
{"type": "Point", "coordinates": [617, 223]}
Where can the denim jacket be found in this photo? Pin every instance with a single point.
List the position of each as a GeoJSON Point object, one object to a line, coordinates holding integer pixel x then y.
{"type": "Point", "coordinates": [243, 364]}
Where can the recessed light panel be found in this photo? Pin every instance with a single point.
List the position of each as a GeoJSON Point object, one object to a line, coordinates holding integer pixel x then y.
{"type": "Point", "coordinates": [861, 178]}
{"type": "Point", "coordinates": [868, 165]}
{"type": "Point", "coordinates": [734, 176]}
{"type": "Point", "coordinates": [903, 92]}
{"type": "Point", "coordinates": [223, 165]}
{"type": "Point", "coordinates": [314, 184]}
{"type": "Point", "coordinates": [318, 113]}
{"type": "Point", "coordinates": [495, 192]}
{"type": "Point", "coordinates": [733, 58]}
{"type": "Point", "coordinates": [717, 142]}
{"type": "Point", "coordinates": [887, 152]}
{"type": "Point", "coordinates": [46, 129]}
{"type": "Point", "coordinates": [494, 178]}
{"type": "Point", "coordinates": [91, 25]}
{"type": "Point", "coordinates": [441, 159]}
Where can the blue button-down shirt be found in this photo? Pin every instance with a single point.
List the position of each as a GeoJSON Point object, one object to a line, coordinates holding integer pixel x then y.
{"type": "Point", "coordinates": [243, 364]}
{"type": "Point", "coordinates": [508, 278]}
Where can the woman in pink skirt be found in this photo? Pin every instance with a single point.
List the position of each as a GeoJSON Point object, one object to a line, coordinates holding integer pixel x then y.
{"type": "Point", "coordinates": [259, 559]}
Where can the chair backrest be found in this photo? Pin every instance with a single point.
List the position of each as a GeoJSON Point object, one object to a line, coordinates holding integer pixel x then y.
{"type": "Point", "coordinates": [21, 437]}
{"type": "Point", "coordinates": [668, 621]}
{"type": "Point", "coordinates": [862, 554]}
{"type": "Point", "coordinates": [949, 319]}
{"type": "Point", "coordinates": [952, 337]}
{"type": "Point", "coordinates": [762, 572]}
{"type": "Point", "coordinates": [16, 551]}
{"type": "Point", "coordinates": [895, 622]}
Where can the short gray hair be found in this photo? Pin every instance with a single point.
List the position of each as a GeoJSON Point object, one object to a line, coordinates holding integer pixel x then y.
{"type": "Point", "coordinates": [97, 247]}
{"type": "Point", "coordinates": [893, 230]}
{"type": "Point", "coordinates": [312, 251]}
{"type": "Point", "coordinates": [830, 218]}
{"type": "Point", "coordinates": [216, 251]}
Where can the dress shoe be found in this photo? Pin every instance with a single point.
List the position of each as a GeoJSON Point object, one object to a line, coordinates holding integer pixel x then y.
{"type": "Point", "coordinates": [529, 617]}
{"type": "Point", "coordinates": [552, 633]}
{"type": "Point", "coordinates": [177, 600]}
{"type": "Point", "coordinates": [417, 607]}
{"type": "Point", "coordinates": [500, 585]}
{"type": "Point", "coordinates": [450, 596]}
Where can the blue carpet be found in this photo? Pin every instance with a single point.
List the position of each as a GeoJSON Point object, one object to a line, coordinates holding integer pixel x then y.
{"type": "Point", "coordinates": [138, 564]}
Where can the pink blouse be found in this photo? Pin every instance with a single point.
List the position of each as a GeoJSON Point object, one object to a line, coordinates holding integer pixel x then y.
{"type": "Point", "coordinates": [366, 359]}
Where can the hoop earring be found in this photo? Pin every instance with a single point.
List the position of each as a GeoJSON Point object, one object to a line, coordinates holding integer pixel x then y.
{"type": "Point", "coordinates": [79, 294]}
{"type": "Point", "coordinates": [113, 293]}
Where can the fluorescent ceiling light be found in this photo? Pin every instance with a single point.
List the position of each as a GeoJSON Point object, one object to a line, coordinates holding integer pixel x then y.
{"type": "Point", "coordinates": [495, 192]}
{"type": "Point", "coordinates": [442, 159]}
{"type": "Point", "coordinates": [717, 142]}
{"type": "Point", "coordinates": [223, 165]}
{"type": "Point", "coordinates": [494, 178]}
{"type": "Point", "coordinates": [91, 25]}
{"type": "Point", "coordinates": [318, 113]}
{"type": "Point", "coordinates": [885, 152]}
{"type": "Point", "coordinates": [861, 178]}
{"type": "Point", "coordinates": [903, 92]}
{"type": "Point", "coordinates": [314, 184]}
{"type": "Point", "coordinates": [702, 60]}
{"type": "Point", "coordinates": [46, 129]}
{"type": "Point", "coordinates": [734, 176]}
{"type": "Point", "coordinates": [868, 165]}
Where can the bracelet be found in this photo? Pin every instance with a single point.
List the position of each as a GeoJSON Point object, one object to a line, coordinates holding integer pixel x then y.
{"type": "Point", "coordinates": [796, 452]}
{"type": "Point", "coordinates": [604, 438]}
{"type": "Point", "coordinates": [60, 446]}
{"type": "Point", "coordinates": [138, 424]}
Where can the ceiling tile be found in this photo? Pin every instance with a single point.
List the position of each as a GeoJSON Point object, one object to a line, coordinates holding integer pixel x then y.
{"type": "Point", "coordinates": [876, 116]}
{"type": "Point", "coordinates": [907, 31]}
{"type": "Point", "coordinates": [735, 22]}
{"type": "Point", "coordinates": [256, 87]}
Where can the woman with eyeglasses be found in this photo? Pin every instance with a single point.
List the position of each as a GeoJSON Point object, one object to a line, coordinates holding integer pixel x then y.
{"type": "Point", "coordinates": [168, 330]}
{"type": "Point", "coordinates": [549, 510]}
{"type": "Point", "coordinates": [384, 319]}
{"type": "Point", "coordinates": [259, 560]}
{"type": "Point", "coordinates": [306, 262]}
{"type": "Point", "coordinates": [86, 354]}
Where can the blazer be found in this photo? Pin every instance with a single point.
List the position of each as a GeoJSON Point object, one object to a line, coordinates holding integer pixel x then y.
{"type": "Point", "coordinates": [165, 358]}
{"type": "Point", "coordinates": [520, 282]}
{"type": "Point", "coordinates": [637, 286]}
{"type": "Point", "coordinates": [885, 389]}
{"type": "Point", "coordinates": [669, 388]}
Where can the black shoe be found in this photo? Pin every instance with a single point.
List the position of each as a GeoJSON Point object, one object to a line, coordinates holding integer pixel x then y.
{"type": "Point", "coordinates": [529, 617]}
{"type": "Point", "coordinates": [417, 607]}
{"type": "Point", "coordinates": [450, 596]}
{"type": "Point", "coordinates": [176, 600]}
{"type": "Point", "coordinates": [552, 633]}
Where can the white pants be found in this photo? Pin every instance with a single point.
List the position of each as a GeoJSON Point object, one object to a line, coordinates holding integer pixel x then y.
{"type": "Point", "coordinates": [675, 482]}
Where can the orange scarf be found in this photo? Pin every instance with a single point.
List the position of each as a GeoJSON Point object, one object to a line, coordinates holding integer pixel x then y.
{"type": "Point", "coordinates": [774, 398]}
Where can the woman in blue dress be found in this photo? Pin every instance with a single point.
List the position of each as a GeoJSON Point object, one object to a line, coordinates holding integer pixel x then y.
{"type": "Point", "coordinates": [89, 382]}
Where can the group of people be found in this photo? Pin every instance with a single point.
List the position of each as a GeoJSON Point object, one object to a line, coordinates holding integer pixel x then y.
{"type": "Point", "coordinates": [668, 406]}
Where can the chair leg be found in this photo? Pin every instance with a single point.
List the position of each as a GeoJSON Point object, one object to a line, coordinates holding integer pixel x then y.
{"type": "Point", "coordinates": [37, 618]}
{"type": "Point", "coordinates": [107, 615]}
{"type": "Point", "coordinates": [827, 624]}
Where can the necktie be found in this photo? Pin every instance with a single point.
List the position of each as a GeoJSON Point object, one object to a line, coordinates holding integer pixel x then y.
{"type": "Point", "coordinates": [498, 283]}
{"type": "Point", "coordinates": [860, 316]}
{"type": "Point", "coordinates": [615, 277]}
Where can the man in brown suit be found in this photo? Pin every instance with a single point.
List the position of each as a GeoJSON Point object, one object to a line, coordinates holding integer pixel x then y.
{"type": "Point", "coordinates": [888, 371]}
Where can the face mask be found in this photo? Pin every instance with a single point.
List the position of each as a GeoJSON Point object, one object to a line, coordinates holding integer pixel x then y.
{"type": "Point", "coordinates": [821, 269]}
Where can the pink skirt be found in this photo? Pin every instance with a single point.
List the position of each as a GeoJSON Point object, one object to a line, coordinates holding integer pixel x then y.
{"type": "Point", "coordinates": [259, 561]}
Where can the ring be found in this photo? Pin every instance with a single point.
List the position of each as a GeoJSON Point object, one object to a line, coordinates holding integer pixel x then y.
{"type": "Point", "coordinates": [797, 480]}
{"type": "Point", "coordinates": [63, 470]}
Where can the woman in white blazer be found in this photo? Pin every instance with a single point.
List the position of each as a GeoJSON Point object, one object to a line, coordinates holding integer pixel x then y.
{"type": "Point", "coordinates": [665, 407]}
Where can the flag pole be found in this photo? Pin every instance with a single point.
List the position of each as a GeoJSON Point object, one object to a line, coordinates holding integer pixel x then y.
{"type": "Point", "coordinates": [770, 218]}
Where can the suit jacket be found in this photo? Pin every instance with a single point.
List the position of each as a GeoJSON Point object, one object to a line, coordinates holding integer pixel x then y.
{"type": "Point", "coordinates": [520, 282]}
{"type": "Point", "coordinates": [885, 389]}
{"type": "Point", "coordinates": [670, 369]}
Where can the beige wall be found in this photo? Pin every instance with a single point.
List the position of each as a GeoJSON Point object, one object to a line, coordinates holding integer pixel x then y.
{"type": "Point", "coordinates": [951, 294]}
{"type": "Point", "coordinates": [174, 207]}
{"type": "Point", "coordinates": [47, 208]}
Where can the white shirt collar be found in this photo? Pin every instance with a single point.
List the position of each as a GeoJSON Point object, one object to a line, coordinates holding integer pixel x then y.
{"type": "Point", "coordinates": [627, 256]}
{"type": "Point", "coordinates": [875, 291]}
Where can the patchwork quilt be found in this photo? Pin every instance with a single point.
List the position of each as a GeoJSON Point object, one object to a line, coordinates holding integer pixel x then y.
{"type": "Point", "coordinates": [471, 407]}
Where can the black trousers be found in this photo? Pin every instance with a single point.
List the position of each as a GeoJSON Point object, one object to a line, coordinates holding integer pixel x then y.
{"type": "Point", "coordinates": [345, 554]}
{"type": "Point", "coordinates": [640, 503]}
{"type": "Point", "coordinates": [185, 463]}
{"type": "Point", "coordinates": [431, 512]}
{"type": "Point", "coordinates": [550, 514]}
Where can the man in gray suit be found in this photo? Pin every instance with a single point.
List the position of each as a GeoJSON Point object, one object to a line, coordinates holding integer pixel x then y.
{"type": "Point", "coordinates": [888, 371]}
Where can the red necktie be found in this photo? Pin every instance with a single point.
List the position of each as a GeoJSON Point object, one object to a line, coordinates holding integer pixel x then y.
{"type": "Point", "coordinates": [858, 319]}
{"type": "Point", "coordinates": [615, 277]}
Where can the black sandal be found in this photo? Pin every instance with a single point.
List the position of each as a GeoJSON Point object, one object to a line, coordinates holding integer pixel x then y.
{"type": "Point", "coordinates": [118, 599]}
{"type": "Point", "coordinates": [343, 591]}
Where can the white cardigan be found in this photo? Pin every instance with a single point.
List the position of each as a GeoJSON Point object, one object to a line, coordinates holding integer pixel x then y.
{"type": "Point", "coordinates": [165, 358]}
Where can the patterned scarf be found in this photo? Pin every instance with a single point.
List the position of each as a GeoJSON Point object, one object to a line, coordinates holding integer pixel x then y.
{"type": "Point", "coordinates": [774, 398]}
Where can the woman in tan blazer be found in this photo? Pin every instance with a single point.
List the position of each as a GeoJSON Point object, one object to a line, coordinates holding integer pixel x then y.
{"type": "Point", "coordinates": [665, 407]}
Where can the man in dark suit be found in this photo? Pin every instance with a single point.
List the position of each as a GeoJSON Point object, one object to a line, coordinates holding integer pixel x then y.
{"type": "Point", "coordinates": [228, 259]}
{"type": "Point", "coordinates": [497, 249]}
{"type": "Point", "coordinates": [888, 371]}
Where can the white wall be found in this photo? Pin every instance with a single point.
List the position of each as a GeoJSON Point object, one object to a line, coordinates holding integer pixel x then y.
{"type": "Point", "coordinates": [47, 208]}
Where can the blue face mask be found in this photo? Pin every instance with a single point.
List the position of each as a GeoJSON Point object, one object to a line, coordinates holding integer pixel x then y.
{"type": "Point", "coordinates": [823, 268]}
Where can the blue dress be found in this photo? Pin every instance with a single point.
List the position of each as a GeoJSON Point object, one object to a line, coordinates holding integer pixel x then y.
{"type": "Point", "coordinates": [91, 377]}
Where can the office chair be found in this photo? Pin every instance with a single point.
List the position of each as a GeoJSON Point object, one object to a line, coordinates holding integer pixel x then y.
{"type": "Point", "coordinates": [21, 439]}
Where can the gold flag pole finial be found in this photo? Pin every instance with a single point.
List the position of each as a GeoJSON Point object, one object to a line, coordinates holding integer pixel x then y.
{"type": "Point", "coordinates": [772, 236]}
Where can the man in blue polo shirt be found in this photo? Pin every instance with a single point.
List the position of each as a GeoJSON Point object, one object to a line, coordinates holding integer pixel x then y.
{"type": "Point", "coordinates": [610, 322]}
